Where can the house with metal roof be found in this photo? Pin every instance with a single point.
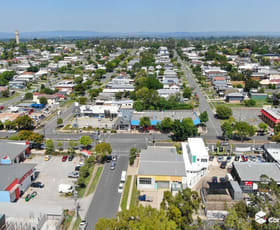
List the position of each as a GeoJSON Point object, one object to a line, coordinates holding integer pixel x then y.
{"type": "Point", "coordinates": [161, 168]}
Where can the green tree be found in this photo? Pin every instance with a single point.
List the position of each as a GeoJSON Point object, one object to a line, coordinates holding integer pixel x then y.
{"type": "Point", "coordinates": [73, 144]}
{"type": "Point", "coordinates": [203, 117]}
{"type": "Point", "coordinates": [132, 155]}
{"type": "Point", "coordinates": [145, 122]}
{"type": "Point", "coordinates": [187, 93]}
{"type": "Point", "coordinates": [227, 129]}
{"type": "Point", "coordinates": [28, 96]}
{"type": "Point", "coordinates": [263, 126]}
{"type": "Point", "coordinates": [166, 125]}
{"type": "Point", "coordinates": [85, 141]}
{"type": "Point", "coordinates": [83, 100]}
{"type": "Point", "coordinates": [43, 100]}
{"type": "Point", "coordinates": [103, 149]}
{"type": "Point", "coordinates": [138, 218]}
{"type": "Point", "coordinates": [59, 121]}
{"type": "Point", "coordinates": [223, 112]}
{"type": "Point", "coordinates": [183, 130]}
{"type": "Point", "coordinates": [49, 147]}
{"type": "Point", "coordinates": [181, 207]}
{"type": "Point", "coordinates": [277, 129]}
{"type": "Point", "coordinates": [244, 130]}
{"type": "Point", "coordinates": [81, 182]}
{"type": "Point", "coordinates": [60, 146]}
{"type": "Point", "coordinates": [24, 123]}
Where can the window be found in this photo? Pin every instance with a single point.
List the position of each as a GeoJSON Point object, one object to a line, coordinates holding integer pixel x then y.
{"type": "Point", "coordinates": [203, 160]}
{"type": "Point", "coordinates": [145, 180]}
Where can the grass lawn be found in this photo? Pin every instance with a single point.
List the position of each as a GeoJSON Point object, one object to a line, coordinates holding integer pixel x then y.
{"type": "Point", "coordinates": [77, 223]}
{"type": "Point", "coordinates": [68, 218]}
{"type": "Point", "coordinates": [134, 196]}
{"type": "Point", "coordinates": [81, 191]}
{"type": "Point", "coordinates": [95, 180]}
{"type": "Point", "coordinates": [3, 99]}
{"type": "Point", "coordinates": [125, 193]}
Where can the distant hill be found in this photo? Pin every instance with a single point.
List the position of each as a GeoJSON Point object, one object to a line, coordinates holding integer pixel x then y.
{"type": "Point", "coordinates": [89, 34]}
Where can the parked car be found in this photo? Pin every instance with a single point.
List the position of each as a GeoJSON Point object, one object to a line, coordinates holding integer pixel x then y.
{"type": "Point", "coordinates": [73, 174]}
{"type": "Point", "coordinates": [220, 159]}
{"type": "Point", "coordinates": [113, 165]}
{"type": "Point", "coordinates": [47, 158]}
{"type": "Point", "coordinates": [228, 158]}
{"type": "Point", "coordinates": [64, 158]}
{"type": "Point", "coordinates": [211, 158]}
{"type": "Point", "coordinates": [215, 179]}
{"type": "Point", "coordinates": [71, 157]}
{"type": "Point", "coordinates": [37, 185]}
{"type": "Point", "coordinates": [28, 197]}
{"type": "Point", "coordinates": [244, 158]}
{"type": "Point", "coordinates": [222, 179]}
{"type": "Point", "coordinates": [114, 157]}
{"type": "Point", "coordinates": [223, 165]}
{"type": "Point", "coordinates": [83, 225]}
{"type": "Point", "coordinates": [237, 158]}
{"type": "Point", "coordinates": [224, 144]}
{"type": "Point", "coordinates": [1, 107]}
{"type": "Point", "coordinates": [120, 188]}
{"type": "Point", "coordinates": [109, 158]}
{"type": "Point", "coordinates": [77, 168]}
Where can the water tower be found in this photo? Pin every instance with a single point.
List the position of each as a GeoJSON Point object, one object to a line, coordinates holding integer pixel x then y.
{"type": "Point", "coordinates": [17, 37]}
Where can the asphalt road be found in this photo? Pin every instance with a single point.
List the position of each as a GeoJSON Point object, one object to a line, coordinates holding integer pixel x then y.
{"type": "Point", "coordinates": [106, 199]}
{"type": "Point", "coordinates": [213, 125]}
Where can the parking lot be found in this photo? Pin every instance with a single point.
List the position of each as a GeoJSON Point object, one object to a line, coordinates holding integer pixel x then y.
{"type": "Point", "coordinates": [52, 173]}
{"type": "Point", "coordinates": [95, 122]}
{"type": "Point", "coordinates": [250, 115]}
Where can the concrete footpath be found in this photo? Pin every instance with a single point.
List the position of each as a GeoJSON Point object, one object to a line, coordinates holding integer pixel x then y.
{"type": "Point", "coordinates": [85, 201]}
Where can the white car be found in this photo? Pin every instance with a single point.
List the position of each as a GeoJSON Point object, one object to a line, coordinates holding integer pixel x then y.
{"type": "Point", "coordinates": [120, 188]}
{"type": "Point", "coordinates": [83, 225]}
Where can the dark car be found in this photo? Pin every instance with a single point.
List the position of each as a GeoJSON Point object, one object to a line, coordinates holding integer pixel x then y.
{"type": "Point", "coordinates": [71, 157]}
{"type": "Point", "coordinates": [64, 158]}
{"type": "Point", "coordinates": [237, 158]}
{"type": "Point", "coordinates": [228, 158]}
{"type": "Point", "coordinates": [222, 179]}
{"type": "Point", "coordinates": [1, 107]}
{"type": "Point", "coordinates": [223, 165]}
{"type": "Point", "coordinates": [109, 158]}
{"type": "Point", "coordinates": [211, 158]}
{"type": "Point", "coordinates": [37, 185]}
{"type": "Point", "coordinates": [77, 168]}
{"type": "Point", "coordinates": [215, 179]}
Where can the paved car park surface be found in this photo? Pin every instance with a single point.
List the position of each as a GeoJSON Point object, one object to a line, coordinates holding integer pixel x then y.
{"type": "Point", "coordinates": [250, 115]}
{"type": "Point", "coordinates": [52, 173]}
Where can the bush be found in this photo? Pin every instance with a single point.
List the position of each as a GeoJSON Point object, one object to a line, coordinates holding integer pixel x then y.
{"type": "Point", "coordinates": [250, 103]}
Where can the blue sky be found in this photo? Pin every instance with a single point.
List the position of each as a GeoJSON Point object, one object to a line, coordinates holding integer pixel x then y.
{"type": "Point", "coordinates": [141, 15]}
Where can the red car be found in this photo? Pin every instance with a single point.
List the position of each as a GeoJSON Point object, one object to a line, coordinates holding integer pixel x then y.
{"type": "Point", "coordinates": [1, 107]}
{"type": "Point", "coordinates": [64, 158]}
{"type": "Point", "coordinates": [244, 158]}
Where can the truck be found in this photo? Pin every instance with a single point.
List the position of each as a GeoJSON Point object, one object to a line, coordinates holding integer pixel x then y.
{"type": "Point", "coordinates": [123, 176]}
{"type": "Point", "coordinates": [65, 188]}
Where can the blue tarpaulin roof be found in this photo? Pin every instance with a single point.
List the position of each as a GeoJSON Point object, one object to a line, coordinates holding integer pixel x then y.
{"type": "Point", "coordinates": [196, 121]}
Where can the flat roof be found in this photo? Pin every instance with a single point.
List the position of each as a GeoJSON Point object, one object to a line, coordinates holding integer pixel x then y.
{"type": "Point", "coordinates": [252, 171]}
{"type": "Point", "coordinates": [8, 173]}
{"type": "Point", "coordinates": [273, 149]}
{"type": "Point", "coordinates": [12, 148]}
{"type": "Point", "coordinates": [161, 161]}
{"type": "Point", "coordinates": [197, 147]}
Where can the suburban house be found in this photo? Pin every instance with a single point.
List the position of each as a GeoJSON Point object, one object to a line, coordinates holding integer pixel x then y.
{"type": "Point", "coordinates": [166, 93]}
{"type": "Point", "coordinates": [235, 97]}
{"type": "Point", "coordinates": [51, 98]}
{"type": "Point", "coordinates": [195, 157]}
{"type": "Point", "coordinates": [161, 168]}
{"type": "Point", "coordinates": [65, 86]}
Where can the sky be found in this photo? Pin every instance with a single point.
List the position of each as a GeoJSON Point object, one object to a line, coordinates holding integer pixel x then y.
{"type": "Point", "coordinates": [140, 15]}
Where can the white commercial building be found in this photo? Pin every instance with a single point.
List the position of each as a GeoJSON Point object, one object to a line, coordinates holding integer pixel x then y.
{"type": "Point", "coordinates": [196, 160]}
{"type": "Point", "coordinates": [100, 110]}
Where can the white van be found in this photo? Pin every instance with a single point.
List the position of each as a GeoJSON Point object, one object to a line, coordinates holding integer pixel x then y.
{"type": "Point", "coordinates": [123, 177]}
{"type": "Point", "coordinates": [65, 188]}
